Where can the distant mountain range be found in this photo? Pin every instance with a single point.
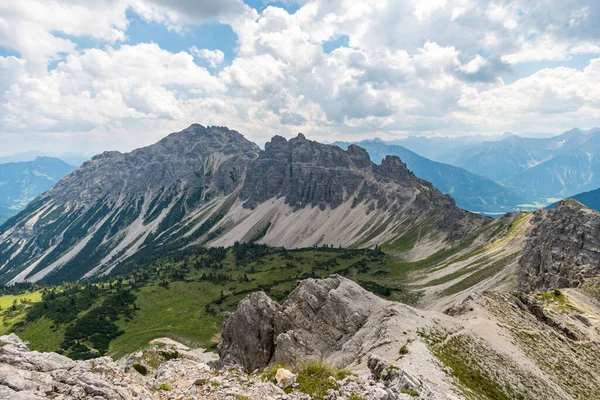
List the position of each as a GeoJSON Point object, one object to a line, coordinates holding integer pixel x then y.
{"type": "Point", "coordinates": [21, 182]}
{"type": "Point", "coordinates": [75, 159]}
{"type": "Point", "coordinates": [505, 159]}
{"type": "Point", "coordinates": [471, 191]}
{"type": "Point", "coordinates": [534, 169]}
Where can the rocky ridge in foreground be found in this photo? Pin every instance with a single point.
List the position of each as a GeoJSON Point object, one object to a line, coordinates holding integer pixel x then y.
{"type": "Point", "coordinates": [562, 249]}
{"type": "Point", "coordinates": [331, 339]}
{"type": "Point", "coordinates": [492, 345]}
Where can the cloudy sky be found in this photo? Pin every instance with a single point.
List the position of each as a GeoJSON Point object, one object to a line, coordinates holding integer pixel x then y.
{"type": "Point", "coordinates": [87, 76]}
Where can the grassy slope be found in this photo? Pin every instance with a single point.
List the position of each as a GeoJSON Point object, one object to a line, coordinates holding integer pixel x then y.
{"type": "Point", "coordinates": [176, 312]}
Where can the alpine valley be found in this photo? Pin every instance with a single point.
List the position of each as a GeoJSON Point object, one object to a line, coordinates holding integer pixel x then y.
{"type": "Point", "coordinates": [307, 270]}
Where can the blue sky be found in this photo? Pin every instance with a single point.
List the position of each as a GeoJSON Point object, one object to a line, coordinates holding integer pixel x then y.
{"type": "Point", "coordinates": [119, 74]}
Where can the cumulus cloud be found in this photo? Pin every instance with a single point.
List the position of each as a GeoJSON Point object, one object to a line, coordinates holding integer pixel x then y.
{"type": "Point", "coordinates": [30, 26]}
{"type": "Point", "coordinates": [100, 86]}
{"type": "Point", "coordinates": [213, 57]}
{"type": "Point", "coordinates": [177, 13]}
{"type": "Point", "coordinates": [561, 96]}
{"type": "Point", "coordinates": [410, 66]}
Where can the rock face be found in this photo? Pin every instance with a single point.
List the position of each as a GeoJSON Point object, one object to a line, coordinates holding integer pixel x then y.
{"type": "Point", "coordinates": [247, 336]}
{"type": "Point", "coordinates": [563, 248]}
{"type": "Point", "coordinates": [319, 317]}
{"type": "Point", "coordinates": [211, 186]}
{"type": "Point", "coordinates": [305, 173]}
{"type": "Point", "coordinates": [30, 375]}
{"type": "Point", "coordinates": [202, 157]}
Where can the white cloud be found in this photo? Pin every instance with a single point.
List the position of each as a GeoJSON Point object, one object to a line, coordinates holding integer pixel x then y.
{"type": "Point", "coordinates": [100, 86]}
{"type": "Point", "coordinates": [176, 13]}
{"type": "Point", "coordinates": [213, 57]}
{"type": "Point", "coordinates": [424, 8]}
{"type": "Point", "coordinates": [30, 26]}
{"type": "Point", "coordinates": [418, 66]}
{"type": "Point", "coordinates": [561, 97]}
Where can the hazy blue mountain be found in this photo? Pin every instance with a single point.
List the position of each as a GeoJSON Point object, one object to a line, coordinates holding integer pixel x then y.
{"type": "Point", "coordinates": [75, 159]}
{"type": "Point", "coordinates": [565, 174]}
{"type": "Point", "coordinates": [471, 191]}
{"type": "Point", "coordinates": [504, 159]}
{"type": "Point", "coordinates": [21, 182]}
{"type": "Point", "coordinates": [440, 148]}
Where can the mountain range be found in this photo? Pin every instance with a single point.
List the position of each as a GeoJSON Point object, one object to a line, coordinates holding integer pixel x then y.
{"type": "Point", "coordinates": [211, 186]}
{"type": "Point", "coordinates": [306, 251]}
{"type": "Point", "coordinates": [75, 159]}
{"type": "Point", "coordinates": [542, 168]}
{"type": "Point", "coordinates": [535, 169]}
{"type": "Point", "coordinates": [21, 182]}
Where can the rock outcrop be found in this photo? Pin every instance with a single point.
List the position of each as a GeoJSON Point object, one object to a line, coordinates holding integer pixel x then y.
{"type": "Point", "coordinates": [247, 336]}
{"type": "Point", "coordinates": [562, 249]}
{"type": "Point", "coordinates": [30, 375]}
{"type": "Point", "coordinates": [315, 322]}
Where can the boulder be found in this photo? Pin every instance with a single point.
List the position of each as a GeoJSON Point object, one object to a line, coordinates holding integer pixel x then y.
{"type": "Point", "coordinates": [285, 378]}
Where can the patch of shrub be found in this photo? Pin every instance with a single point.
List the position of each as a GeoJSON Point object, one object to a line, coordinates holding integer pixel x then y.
{"type": "Point", "coordinates": [140, 368]}
{"type": "Point", "coordinates": [170, 355]}
{"type": "Point", "coordinates": [313, 379]}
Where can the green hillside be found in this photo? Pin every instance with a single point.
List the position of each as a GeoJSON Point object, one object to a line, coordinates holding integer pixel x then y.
{"type": "Point", "coordinates": [181, 295]}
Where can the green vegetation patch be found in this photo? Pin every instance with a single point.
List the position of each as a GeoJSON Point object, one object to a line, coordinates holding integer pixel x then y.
{"type": "Point", "coordinates": [313, 378]}
{"type": "Point", "coordinates": [467, 360]}
{"type": "Point", "coordinates": [556, 300]}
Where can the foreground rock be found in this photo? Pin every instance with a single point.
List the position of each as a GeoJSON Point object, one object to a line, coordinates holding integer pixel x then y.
{"type": "Point", "coordinates": [31, 375]}
{"type": "Point", "coordinates": [492, 345]}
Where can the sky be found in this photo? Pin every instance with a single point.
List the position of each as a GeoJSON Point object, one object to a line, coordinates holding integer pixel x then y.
{"type": "Point", "coordinates": [88, 76]}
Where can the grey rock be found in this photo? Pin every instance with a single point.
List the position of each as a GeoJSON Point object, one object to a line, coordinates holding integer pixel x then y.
{"type": "Point", "coordinates": [304, 172]}
{"type": "Point", "coordinates": [562, 248]}
{"type": "Point", "coordinates": [319, 316]}
{"type": "Point", "coordinates": [316, 320]}
{"type": "Point", "coordinates": [26, 374]}
{"type": "Point", "coordinates": [247, 336]}
{"type": "Point", "coordinates": [394, 378]}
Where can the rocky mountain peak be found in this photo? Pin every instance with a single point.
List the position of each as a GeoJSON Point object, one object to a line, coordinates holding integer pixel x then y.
{"type": "Point", "coordinates": [181, 158]}
{"type": "Point", "coordinates": [359, 156]}
{"type": "Point", "coordinates": [393, 168]}
{"type": "Point", "coordinates": [201, 186]}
